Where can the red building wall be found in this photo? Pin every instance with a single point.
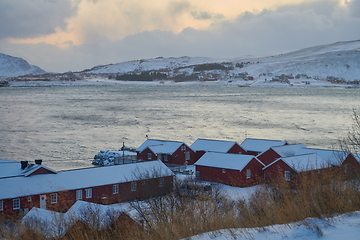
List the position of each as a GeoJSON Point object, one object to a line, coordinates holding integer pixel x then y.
{"type": "Point", "coordinates": [268, 156]}
{"type": "Point", "coordinates": [236, 149]}
{"type": "Point", "coordinates": [41, 171]}
{"type": "Point", "coordinates": [231, 176]}
{"type": "Point", "coordinates": [275, 173]}
{"type": "Point", "coordinates": [350, 167]}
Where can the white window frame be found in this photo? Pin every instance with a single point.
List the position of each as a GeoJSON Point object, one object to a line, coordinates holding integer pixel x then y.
{"type": "Point", "coordinates": [248, 173]}
{"type": "Point", "coordinates": [1, 206]}
{"type": "Point", "coordinates": [223, 171]}
{"type": "Point", "coordinates": [78, 194]}
{"type": "Point", "coordinates": [53, 198]}
{"type": "Point", "coordinates": [183, 147]}
{"type": "Point", "coordinates": [149, 156]}
{"type": "Point", "coordinates": [187, 156]}
{"type": "Point", "coordinates": [287, 175]}
{"type": "Point", "coordinates": [16, 203]}
{"type": "Point", "coordinates": [115, 189]}
{"type": "Point", "coordinates": [88, 193]}
{"type": "Point", "coordinates": [29, 199]}
{"type": "Point", "coordinates": [133, 186]}
{"type": "Point", "coordinates": [161, 182]}
{"type": "Point", "coordinates": [165, 158]}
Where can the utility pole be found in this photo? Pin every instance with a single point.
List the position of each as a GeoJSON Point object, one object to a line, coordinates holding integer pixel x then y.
{"type": "Point", "coordinates": [123, 148]}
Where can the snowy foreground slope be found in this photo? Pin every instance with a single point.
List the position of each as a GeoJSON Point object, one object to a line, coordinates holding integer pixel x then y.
{"type": "Point", "coordinates": [13, 66]}
{"type": "Point", "coordinates": [346, 226]}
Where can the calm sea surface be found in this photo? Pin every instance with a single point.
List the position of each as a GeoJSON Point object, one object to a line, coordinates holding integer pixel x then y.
{"type": "Point", "coordinates": [67, 125]}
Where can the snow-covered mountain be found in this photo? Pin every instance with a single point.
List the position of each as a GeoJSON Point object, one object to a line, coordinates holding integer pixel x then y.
{"type": "Point", "coordinates": [339, 60]}
{"type": "Point", "coordinates": [13, 66]}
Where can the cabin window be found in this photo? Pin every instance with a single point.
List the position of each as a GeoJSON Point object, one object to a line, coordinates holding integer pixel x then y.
{"type": "Point", "coordinates": [115, 189]}
{"type": "Point", "coordinates": [187, 156]}
{"type": "Point", "coordinates": [248, 173]}
{"type": "Point", "coordinates": [133, 186]}
{"type": "Point", "coordinates": [346, 168]}
{"type": "Point", "coordinates": [78, 194]}
{"type": "Point", "coordinates": [224, 171]}
{"type": "Point", "coordinates": [166, 158]}
{"type": "Point", "coordinates": [1, 206]}
{"type": "Point", "coordinates": [287, 175]}
{"type": "Point", "coordinates": [88, 193]}
{"type": "Point", "coordinates": [29, 199]}
{"type": "Point", "coordinates": [161, 182]}
{"type": "Point", "coordinates": [53, 198]}
{"type": "Point", "coordinates": [149, 156]}
{"type": "Point", "coordinates": [16, 203]}
{"type": "Point", "coordinates": [183, 147]}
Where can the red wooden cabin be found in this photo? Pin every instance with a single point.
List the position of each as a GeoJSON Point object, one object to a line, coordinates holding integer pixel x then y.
{"type": "Point", "coordinates": [287, 169]}
{"type": "Point", "coordinates": [201, 146]}
{"type": "Point", "coordinates": [274, 153]}
{"type": "Point", "coordinates": [254, 146]}
{"type": "Point", "coordinates": [110, 184]}
{"type": "Point", "coordinates": [169, 152]}
{"type": "Point", "coordinates": [232, 169]}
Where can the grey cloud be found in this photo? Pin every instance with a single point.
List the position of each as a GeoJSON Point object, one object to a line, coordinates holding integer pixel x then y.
{"type": "Point", "coordinates": [178, 7]}
{"type": "Point", "coordinates": [267, 32]}
{"type": "Point", "coordinates": [205, 15]}
{"type": "Point", "coordinates": [27, 19]}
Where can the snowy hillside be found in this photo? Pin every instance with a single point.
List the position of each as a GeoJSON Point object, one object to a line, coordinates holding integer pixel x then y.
{"type": "Point", "coordinates": [13, 66]}
{"type": "Point", "coordinates": [159, 63]}
{"type": "Point", "coordinates": [339, 61]}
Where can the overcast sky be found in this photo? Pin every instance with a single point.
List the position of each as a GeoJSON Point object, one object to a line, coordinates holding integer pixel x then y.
{"type": "Point", "coordinates": [73, 35]}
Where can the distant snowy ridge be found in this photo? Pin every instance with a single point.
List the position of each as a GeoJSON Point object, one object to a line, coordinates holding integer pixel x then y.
{"type": "Point", "coordinates": [336, 63]}
{"type": "Point", "coordinates": [339, 60]}
{"type": "Point", "coordinates": [13, 66]}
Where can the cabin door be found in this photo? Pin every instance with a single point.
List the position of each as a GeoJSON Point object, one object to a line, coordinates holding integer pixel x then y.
{"type": "Point", "coordinates": [43, 201]}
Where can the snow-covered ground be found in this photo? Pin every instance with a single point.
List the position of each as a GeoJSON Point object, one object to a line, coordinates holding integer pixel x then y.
{"type": "Point", "coordinates": [345, 226]}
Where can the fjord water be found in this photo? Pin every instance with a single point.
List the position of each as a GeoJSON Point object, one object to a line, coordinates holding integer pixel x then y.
{"type": "Point", "coordinates": [67, 125]}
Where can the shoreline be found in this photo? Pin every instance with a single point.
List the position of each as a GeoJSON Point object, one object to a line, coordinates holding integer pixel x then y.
{"type": "Point", "coordinates": [218, 83]}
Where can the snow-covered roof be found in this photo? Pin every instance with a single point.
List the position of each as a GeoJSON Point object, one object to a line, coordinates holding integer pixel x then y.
{"type": "Point", "coordinates": [55, 224]}
{"type": "Point", "coordinates": [330, 156]}
{"type": "Point", "coordinates": [304, 162]}
{"type": "Point", "coordinates": [10, 168]}
{"type": "Point", "coordinates": [260, 145]}
{"type": "Point", "coordinates": [212, 145]}
{"type": "Point", "coordinates": [225, 160]}
{"type": "Point", "coordinates": [160, 146]}
{"type": "Point", "coordinates": [288, 150]}
{"type": "Point", "coordinates": [80, 178]}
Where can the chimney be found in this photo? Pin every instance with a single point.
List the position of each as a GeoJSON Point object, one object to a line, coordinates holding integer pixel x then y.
{"type": "Point", "coordinates": [24, 164]}
{"type": "Point", "coordinates": [38, 161]}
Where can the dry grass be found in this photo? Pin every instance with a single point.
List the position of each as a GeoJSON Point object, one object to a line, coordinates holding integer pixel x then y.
{"type": "Point", "coordinates": [180, 215]}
